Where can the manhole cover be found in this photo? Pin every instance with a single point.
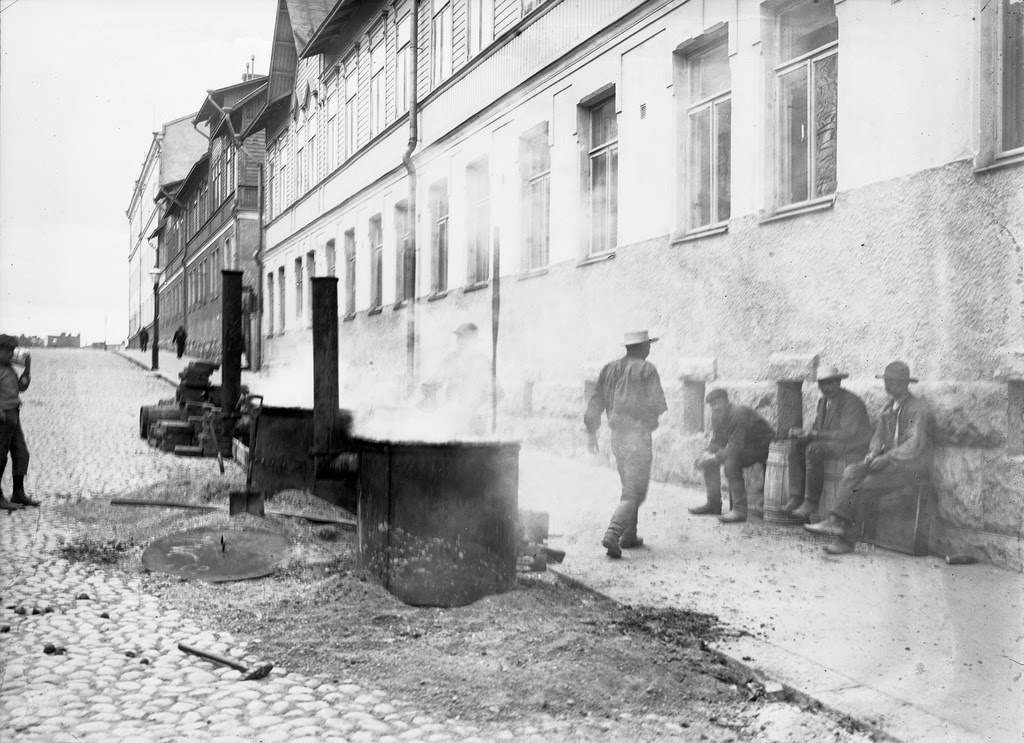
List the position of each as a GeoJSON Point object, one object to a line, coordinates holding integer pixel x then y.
{"type": "Point", "coordinates": [216, 555]}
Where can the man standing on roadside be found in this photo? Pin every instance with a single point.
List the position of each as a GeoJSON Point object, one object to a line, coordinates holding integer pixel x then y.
{"type": "Point", "coordinates": [143, 339]}
{"type": "Point", "coordinates": [180, 337]}
{"type": "Point", "coordinates": [739, 438]}
{"type": "Point", "coordinates": [12, 439]}
{"type": "Point", "coordinates": [629, 391]}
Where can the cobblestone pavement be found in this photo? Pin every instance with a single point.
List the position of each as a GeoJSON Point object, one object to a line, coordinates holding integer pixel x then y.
{"type": "Point", "coordinates": [122, 677]}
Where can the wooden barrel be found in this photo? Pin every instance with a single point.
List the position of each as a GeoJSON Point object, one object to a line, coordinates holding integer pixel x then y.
{"type": "Point", "coordinates": [834, 467]}
{"type": "Point", "coordinates": [776, 482]}
{"type": "Point", "coordinates": [150, 414]}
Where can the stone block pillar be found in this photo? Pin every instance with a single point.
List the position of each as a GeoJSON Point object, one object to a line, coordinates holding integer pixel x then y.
{"type": "Point", "coordinates": [789, 372]}
{"type": "Point", "coordinates": [695, 373]}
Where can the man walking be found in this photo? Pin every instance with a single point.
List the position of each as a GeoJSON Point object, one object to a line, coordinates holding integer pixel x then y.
{"type": "Point", "coordinates": [629, 391]}
{"type": "Point", "coordinates": [12, 439]}
{"type": "Point", "coordinates": [180, 336]}
{"type": "Point", "coordinates": [900, 454]}
{"type": "Point", "coordinates": [739, 438]}
{"type": "Point", "coordinates": [143, 339]}
{"type": "Point", "coordinates": [841, 430]}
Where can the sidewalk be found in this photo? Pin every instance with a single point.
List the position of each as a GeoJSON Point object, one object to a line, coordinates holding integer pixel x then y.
{"type": "Point", "coordinates": [171, 366]}
{"type": "Point", "coordinates": [923, 650]}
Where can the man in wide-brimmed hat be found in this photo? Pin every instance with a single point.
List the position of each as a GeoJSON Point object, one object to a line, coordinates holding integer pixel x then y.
{"type": "Point", "coordinates": [841, 430]}
{"type": "Point", "coordinates": [900, 454]}
{"type": "Point", "coordinates": [12, 439]}
{"type": "Point", "coordinates": [629, 391]}
{"type": "Point", "coordinates": [739, 438]}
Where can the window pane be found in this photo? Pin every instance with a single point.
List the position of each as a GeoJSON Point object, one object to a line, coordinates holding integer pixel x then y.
{"type": "Point", "coordinates": [1013, 75]}
{"type": "Point", "coordinates": [826, 101]}
{"type": "Point", "coordinates": [700, 167]}
{"type": "Point", "coordinates": [793, 102]}
{"type": "Point", "coordinates": [598, 201]}
{"type": "Point", "coordinates": [709, 73]}
{"type": "Point", "coordinates": [723, 158]}
{"type": "Point", "coordinates": [604, 126]}
{"type": "Point", "coordinates": [806, 26]}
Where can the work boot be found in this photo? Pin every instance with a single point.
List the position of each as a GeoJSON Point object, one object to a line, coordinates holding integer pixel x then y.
{"type": "Point", "coordinates": [833, 526]}
{"type": "Point", "coordinates": [611, 543]}
{"type": "Point", "coordinates": [806, 511]}
{"type": "Point", "coordinates": [630, 540]}
{"type": "Point", "coordinates": [735, 516]}
{"type": "Point", "coordinates": [839, 546]}
{"type": "Point", "coordinates": [708, 509]}
{"type": "Point", "coordinates": [21, 499]}
{"type": "Point", "coordinates": [6, 505]}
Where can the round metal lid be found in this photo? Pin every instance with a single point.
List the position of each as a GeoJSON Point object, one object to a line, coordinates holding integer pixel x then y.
{"type": "Point", "coordinates": [216, 555]}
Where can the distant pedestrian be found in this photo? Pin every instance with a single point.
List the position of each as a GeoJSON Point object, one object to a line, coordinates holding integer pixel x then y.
{"type": "Point", "coordinates": [144, 339]}
{"type": "Point", "coordinates": [12, 439]}
{"type": "Point", "coordinates": [629, 391]}
{"type": "Point", "coordinates": [180, 336]}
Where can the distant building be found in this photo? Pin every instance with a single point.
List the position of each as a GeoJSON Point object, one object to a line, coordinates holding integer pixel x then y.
{"type": "Point", "coordinates": [171, 155]}
{"type": "Point", "coordinates": [63, 341]}
{"type": "Point", "coordinates": [31, 341]}
{"type": "Point", "coordinates": [211, 219]}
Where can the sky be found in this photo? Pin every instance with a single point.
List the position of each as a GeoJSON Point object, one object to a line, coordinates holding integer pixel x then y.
{"type": "Point", "coordinates": [83, 86]}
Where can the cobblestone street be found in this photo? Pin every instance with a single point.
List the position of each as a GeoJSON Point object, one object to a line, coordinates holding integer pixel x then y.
{"type": "Point", "coordinates": [122, 677]}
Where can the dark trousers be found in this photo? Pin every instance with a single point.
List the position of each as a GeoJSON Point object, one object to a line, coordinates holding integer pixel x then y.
{"type": "Point", "coordinates": [144, 344]}
{"type": "Point", "coordinates": [12, 441]}
{"type": "Point", "coordinates": [633, 457]}
{"type": "Point", "coordinates": [733, 465]}
{"type": "Point", "coordinates": [181, 349]}
{"type": "Point", "coordinates": [807, 469]}
{"type": "Point", "coordinates": [859, 486]}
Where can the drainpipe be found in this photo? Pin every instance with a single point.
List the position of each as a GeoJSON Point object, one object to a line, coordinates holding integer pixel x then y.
{"type": "Point", "coordinates": [410, 248]}
{"type": "Point", "coordinates": [256, 362]}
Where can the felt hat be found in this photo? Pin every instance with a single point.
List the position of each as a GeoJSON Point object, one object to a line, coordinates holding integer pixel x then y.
{"type": "Point", "coordinates": [635, 337]}
{"type": "Point", "coordinates": [897, 370]}
{"type": "Point", "coordinates": [8, 341]}
{"type": "Point", "coordinates": [715, 394]}
{"type": "Point", "coordinates": [829, 372]}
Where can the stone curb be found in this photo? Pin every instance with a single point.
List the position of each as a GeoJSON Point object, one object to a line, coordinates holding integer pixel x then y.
{"type": "Point", "coordinates": [141, 365]}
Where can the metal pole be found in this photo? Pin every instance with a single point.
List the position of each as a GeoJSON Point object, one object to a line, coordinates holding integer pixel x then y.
{"type": "Point", "coordinates": [156, 325]}
{"type": "Point", "coordinates": [495, 313]}
{"type": "Point", "coordinates": [231, 340]}
{"type": "Point", "coordinates": [325, 361]}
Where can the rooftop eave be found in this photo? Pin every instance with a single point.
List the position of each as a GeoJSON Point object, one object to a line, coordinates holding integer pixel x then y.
{"type": "Point", "coordinates": [324, 35]}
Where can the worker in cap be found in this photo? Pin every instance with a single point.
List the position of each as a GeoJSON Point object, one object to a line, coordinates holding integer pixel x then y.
{"type": "Point", "coordinates": [900, 454]}
{"type": "Point", "coordinates": [12, 438]}
{"type": "Point", "coordinates": [739, 439]}
{"type": "Point", "coordinates": [460, 389]}
{"type": "Point", "coordinates": [629, 391]}
{"type": "Point", "coordinates": [841, 431]}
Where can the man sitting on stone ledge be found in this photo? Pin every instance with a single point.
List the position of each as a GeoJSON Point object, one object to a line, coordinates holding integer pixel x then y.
{"type": "Point", "coordinates": [739, 438]}
{"type": "Point", "coordinates": [841, 430]}
{"type": "Point", "coordinates": [900, 454]}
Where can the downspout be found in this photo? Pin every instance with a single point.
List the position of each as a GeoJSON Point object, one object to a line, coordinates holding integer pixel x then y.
{"type": "Point", "coordinates": [410, 248]}
{"type": "Point", "coordinates": [256, 362]}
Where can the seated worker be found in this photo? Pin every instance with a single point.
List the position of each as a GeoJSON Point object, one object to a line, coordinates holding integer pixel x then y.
{"type": "Point", "coordinates": [841, 430]}
{"type": "Point", "coordinates": [739, 438]}
{"type": "Point", "coordinates": [900, 454]}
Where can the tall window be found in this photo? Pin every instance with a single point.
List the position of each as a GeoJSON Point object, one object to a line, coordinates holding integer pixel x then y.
{"type": "Point", "coordinates": [376, 262]}
{"type": "Point", "coordinates": [535, 168]}
{"type": "Point", "coordinates": [439, 237]}
{"type": "Point", "coordinates": [270, 303]}
{"type": "Point", "coordinates": [1011, 76]}
{"type": "Point", "coordinates": [350, 272]}
{"type": "Point", "coordinates": [441, 43]}
{"type": "Point", "coordinates": [282, 307]}
{"type": "Point", "coordinates": [807, 98]}
{"type": "Point", "coordinates": [332, 125]}
{"type": "Point", "coordinates": [402, 64]}
{"type": "Point", "coordinates": [310, 273]}
{"type": "Point", "coordinates": [216, 272]}
{"type": "Point", "coordinates": [298, 289]}
{"type": "Point", "coordinates": [351, 103]}
{"type": "Point", "coordinates": [377, 87]}
{"type": "Point", "coordinates": [331, 259]}
{"type": "Point", "coordinates": [301, 172]}
{"type": "Point", "coordinates": [603, 181]}
{"type": "Point", "coordinates": [312, 160]}
{"type": "Point", "coordinates": [402, 276]}
{"type": "Point", "coordinates": [708, 137]}
{"type": "Point", "coordinates": [478, 197]}
{"type": "Point", "coordinates": [481, 25]}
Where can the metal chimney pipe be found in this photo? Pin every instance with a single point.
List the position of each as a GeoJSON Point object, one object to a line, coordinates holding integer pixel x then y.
{"type": "Point", "coordinates": [325, 361]}
{"type": "Point", "coordinates": [232, 340]}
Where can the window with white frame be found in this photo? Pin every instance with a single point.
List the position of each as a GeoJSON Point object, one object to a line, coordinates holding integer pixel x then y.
{"type": "Point", "coordinates": [480, 25]}
{"type": "Point", "coordinates": [377, 99]}
{"type": "Point", "coordinates": [807, 98]}
{"type": "Point", "coordinates": [439, 237]}
{"type": "Point", "coordinates": [271, 182]}
{"type": "Point", "coordinates": [229, 166]}
{"type": "Point", "coordinates": [313, 161]}
{"type": "Point", "coordinates": [441, 43]}
{"type": "Point", "coordinates": [332, 125]}
{"type": "Point", "coordinates": [282, 306]}
{"type": "Point", "coordinates": [376, 262]}
{"type": "Point", "coordinates": [301, 172]}
{"type": "Point", "coordinates": [331, 259]}
{"type": "Point", "coordinates": [351, 106]}
{"type": "Point", "coordinates": [298, 289]}
{"type": "Point", "coordinates": [708, 137]}
{"type": "Point", "coordinates": [602, 184]}
{"type": "Point", "coordinates": [402, 64]}
{"type": "Point", "coordinates": [402, 275]}
{"type": "Point", "coordinates": [350, 272]}
{"type": "Point", "coordinates": [270, 303]}
{"type": "Point", "coordinates": [478, 197]}
{"type": "Point", "coordinates": [310, 273]}
{"type": "Point", "coordinates": [1011, 77]}
{"type": "Point", "coordinates": [535, 171]}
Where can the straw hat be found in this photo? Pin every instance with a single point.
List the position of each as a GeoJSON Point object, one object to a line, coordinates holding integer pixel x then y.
{"type": "Point", "coordinates": [635, 337]}
{"type": "Point", "coordinates": [829, 372]}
